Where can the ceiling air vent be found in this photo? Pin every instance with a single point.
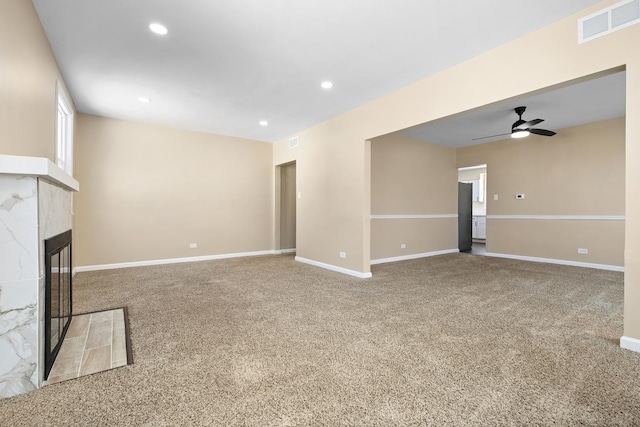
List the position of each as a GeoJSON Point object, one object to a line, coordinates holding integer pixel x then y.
{"type": "Point", "coordinates": [293, 142]}
{"type": "Point", "coordinates": [606, 21]}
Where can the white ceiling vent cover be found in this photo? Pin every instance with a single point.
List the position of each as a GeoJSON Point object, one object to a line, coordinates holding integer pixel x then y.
{"type": "Point", "coordinates": [293, 142]}
{"type": "Point", "coordinates": [606, 21]}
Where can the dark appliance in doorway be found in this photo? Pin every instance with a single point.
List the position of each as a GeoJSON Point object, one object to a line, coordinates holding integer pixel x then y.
{"type": "Point", "coordinates": [465, 207]}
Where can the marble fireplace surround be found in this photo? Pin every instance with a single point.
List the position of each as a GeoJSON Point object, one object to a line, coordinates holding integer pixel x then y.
{"type": "Point", "coordinates": [35, 204]}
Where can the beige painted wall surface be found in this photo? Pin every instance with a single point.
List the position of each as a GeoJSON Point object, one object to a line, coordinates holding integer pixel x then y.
{"type": "Point", "coordinates": [28, 88]}
{"type": "Point", "coordinates": [150, 191]}
{"type": "Point", "coordinates": [338, 144]}
{"type": "Point", "coordinates": [421, 236]}
{"type": "Point", "coordinates": [411, 177]}
{"type": "Point", "coordinates": [332, 209]}
{"type": "Point", "coordinates": [465, 175]}
{"type": "Point", "coordinates": [558, 239]}
{"type": "Point", "coordinates": [580, 171]}
{"type": "Point", "coordinates": [288, 207]}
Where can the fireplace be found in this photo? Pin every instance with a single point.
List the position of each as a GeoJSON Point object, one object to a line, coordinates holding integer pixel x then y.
{"type": "Point", "coordinates": [35, 204]}
{"type": "Point", "coordinates": [58, 307]}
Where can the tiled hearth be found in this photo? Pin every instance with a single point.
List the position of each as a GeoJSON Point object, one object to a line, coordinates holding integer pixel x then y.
{"type": "Point", "coordinates": [95, 342]}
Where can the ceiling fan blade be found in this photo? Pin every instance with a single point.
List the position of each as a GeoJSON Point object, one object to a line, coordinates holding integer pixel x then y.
{"type": "Point", "coordinates": [528, 124]}
{"type": "Point", "coordinates": [542, 132]}
{"type": "Point", "coordinates": [492, 136]}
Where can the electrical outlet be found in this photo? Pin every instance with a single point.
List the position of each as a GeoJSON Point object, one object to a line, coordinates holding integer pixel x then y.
{"type": "Point", "coordinates": [343, 254]}
{"type": "Point", "coordinates": [193, 245]}
{"type": "Point", "coordinates": [403, 246]}
{"type": "Point", "coordinates": [495, 197]}
{"type": "Point", "coordinates": [583, 251]}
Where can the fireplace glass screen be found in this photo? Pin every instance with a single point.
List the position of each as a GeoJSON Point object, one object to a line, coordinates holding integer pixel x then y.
{"type": "Point", "coordinates": [57, 294]}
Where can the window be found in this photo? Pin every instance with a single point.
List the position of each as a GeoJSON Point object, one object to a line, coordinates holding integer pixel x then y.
{"type": "Point", "coordinates": [64, 134]}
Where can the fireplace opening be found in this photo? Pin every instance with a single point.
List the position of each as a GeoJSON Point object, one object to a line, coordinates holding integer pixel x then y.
{"type": "Point", "coordinates": [58, 307]}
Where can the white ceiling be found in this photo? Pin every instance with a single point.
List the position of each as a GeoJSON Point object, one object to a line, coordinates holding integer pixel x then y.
{"type": "Point", "coordinates": [227, 64]}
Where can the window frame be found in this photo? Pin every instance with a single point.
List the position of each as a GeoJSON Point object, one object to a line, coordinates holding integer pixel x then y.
{"type": "Point", "coordinates": [64, 130]}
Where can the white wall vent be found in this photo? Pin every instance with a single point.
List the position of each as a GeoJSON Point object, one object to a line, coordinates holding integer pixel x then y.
{"type": "Point", "coordinates": [606, 21]}
{"type": "Point", "coordinates": [293, 142]}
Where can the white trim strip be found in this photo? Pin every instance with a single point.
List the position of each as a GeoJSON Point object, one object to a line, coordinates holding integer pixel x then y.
{"type": "Point", "coordinates": [414, 216]}
{"type": "Point", "coordinates": [561, 217]}
{"type": "Point", "coordinates": [558, 261]}
{"type": "Point", "coordinates": [629, 343]}
{"type": "Point", "coordinates": [169, 261]}
{"type": "Point", "coordinates": [284, 251]}
{"type": "Point", "coordinates": [335, 268]}
{"type": "Point", "coordinates": [413, 256]}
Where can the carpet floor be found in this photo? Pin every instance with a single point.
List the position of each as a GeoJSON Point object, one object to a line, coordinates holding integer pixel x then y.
{"type": "Point", "coordinates": [265, 341]}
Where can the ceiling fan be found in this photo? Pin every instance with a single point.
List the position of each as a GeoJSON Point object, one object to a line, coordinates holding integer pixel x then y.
{"type": "Point", "coordinates": [522, 128]}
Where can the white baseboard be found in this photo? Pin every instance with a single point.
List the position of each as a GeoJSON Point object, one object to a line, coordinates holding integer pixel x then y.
{"type": "Point", "coordinates": [413, 256]}
{"type": "Point", "coordinates": [334, 268]}
{"type": "Point", "coordinates": [284, 251]}
{"type": "Point", "coordinates": [630, 344]}
{"type": "Point", "coordinates": [168, 261]}
{"type": "Point", "coordinates": [558, 261]}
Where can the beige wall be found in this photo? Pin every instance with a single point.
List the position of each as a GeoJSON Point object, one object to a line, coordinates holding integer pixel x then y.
{"type": "Point", "coordinates": [411, 177]}
{"type": "Point", "coordinates": [558, 240]}
{"type": "Point", "coordinates": [327, 223]}
{"type": "Point", "coordinates": [288, 206]}
{"type": "Point", "coordinates": [469, 174]}
{"type": "Point", "coordinates": [332, 209]}
{"type": "Point", "coordinates": [150, 191]}
{"type": "Point", "coordinates": [578, 172]}
{"type": "Point", "coordinates": [29, 73]}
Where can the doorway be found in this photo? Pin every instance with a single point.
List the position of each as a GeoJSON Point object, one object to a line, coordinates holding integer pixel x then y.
{"type": "Point", "coordinates": [475, 178]}
{"type": "Point", "coordinates": [287, 205]}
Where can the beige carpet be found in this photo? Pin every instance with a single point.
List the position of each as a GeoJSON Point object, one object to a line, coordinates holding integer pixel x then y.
{"type": "Point", "coordinates": [450, 340]}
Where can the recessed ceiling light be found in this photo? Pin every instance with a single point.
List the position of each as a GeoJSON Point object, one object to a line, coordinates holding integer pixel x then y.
{"type": "Point", "coordinates": [263, 123]}
{"type": "Point", "coordinates": [144, 100]}
{"type": "Point", "coordinates": [326, 85]}
{"type": "Point", "coordinates": [158, 28]}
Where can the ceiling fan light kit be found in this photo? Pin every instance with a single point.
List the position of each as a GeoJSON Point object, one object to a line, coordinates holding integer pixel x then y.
{"type": "Point", "coordinates": [522, 128]}
{"type": "Point", "coordinates": [520, 133]}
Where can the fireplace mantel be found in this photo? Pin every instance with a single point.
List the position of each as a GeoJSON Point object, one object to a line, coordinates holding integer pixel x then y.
{"type": "Point", "coordinates": [35, 204]}
{"type": "Point", "coordinates": [39, 167]}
